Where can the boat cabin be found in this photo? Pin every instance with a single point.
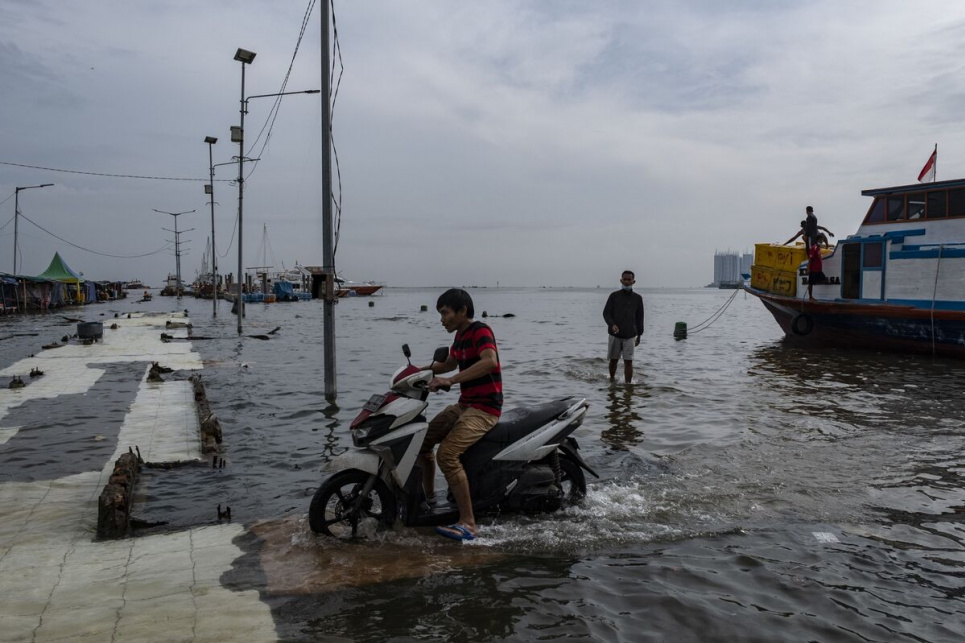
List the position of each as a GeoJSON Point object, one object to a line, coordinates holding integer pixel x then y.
{"type": "Point", "coordinates": [909, 250]}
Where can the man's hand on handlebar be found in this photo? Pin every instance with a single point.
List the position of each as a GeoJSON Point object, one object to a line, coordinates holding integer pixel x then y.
{"type": "Point", "coordinates": [440, 383]}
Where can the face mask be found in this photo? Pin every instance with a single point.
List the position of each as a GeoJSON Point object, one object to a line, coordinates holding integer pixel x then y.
{"type": "Point", "coordinates": [626, 288]}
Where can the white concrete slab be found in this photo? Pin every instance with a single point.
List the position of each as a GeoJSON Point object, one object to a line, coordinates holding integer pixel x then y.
{"type": "Point", "coordinates": [56, 583]}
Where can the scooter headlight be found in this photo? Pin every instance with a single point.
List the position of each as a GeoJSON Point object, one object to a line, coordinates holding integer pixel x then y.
{"type": "Point", "coordinates": [373, 428]}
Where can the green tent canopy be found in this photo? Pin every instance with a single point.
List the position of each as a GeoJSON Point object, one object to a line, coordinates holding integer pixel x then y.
{"type": "Point", "coordinates": [58, 270]}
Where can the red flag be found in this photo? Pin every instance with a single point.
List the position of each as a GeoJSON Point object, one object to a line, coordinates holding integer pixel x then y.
{"type": "Point", "coordinates": [928, 172]}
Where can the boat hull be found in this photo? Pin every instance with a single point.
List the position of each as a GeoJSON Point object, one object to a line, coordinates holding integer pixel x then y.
{"type": "Point", "coordinates": [361, 291]}
{"type": "Point", "coordinates": [872, 326]}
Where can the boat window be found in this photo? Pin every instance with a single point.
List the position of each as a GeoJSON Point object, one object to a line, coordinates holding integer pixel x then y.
{"type": "Point", "coordinates": [916, 206]}
{"type": "Point", "coordinates": [851, 271]}
{"type": "Point", "coordinates": [872, 255]}
{"type": "Point", "coordinates": [896, 208]}
{"type": "Point", "coordinates": [877, 212]}
{"type": "Point", "coordinates": [956, 203]}
{"type": "Point", "coordinates": [937, 205]}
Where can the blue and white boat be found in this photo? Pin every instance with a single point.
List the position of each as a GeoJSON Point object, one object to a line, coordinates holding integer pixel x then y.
{"type": "Point", "coordinates": [896, 284]}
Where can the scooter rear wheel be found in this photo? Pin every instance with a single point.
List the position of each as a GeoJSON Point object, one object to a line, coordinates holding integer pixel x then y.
{"type": "Point", "coordinates": [573, 482]}
{"type": "Point", "coordinates": [338, 509]}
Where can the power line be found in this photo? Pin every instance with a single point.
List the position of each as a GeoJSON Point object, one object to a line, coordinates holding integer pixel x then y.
{"type": "Point", "coordinates": [115, 176]}
{"type": "Point", "coordinates": [336, 50]}
{"type": "Point", "coordinates": [103, 254]}
{"type": "Point", "coordinates": [276, 106]}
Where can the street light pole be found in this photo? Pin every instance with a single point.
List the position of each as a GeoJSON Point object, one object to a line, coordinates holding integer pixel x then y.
{"type": "Point", "coordinates": [16, 217]}
{"type": "Point", "coordinates": [177, 248]}
{"type": "Point", "coordinates": [209, 189]}
{"type": "Point", "coordinates": [245, 57]}
{"type": "Point", "coordinates": [328, 251]}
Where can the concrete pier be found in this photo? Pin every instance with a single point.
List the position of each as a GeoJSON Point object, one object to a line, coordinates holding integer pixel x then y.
{"type": "Point", "coordinates": [56, 582]}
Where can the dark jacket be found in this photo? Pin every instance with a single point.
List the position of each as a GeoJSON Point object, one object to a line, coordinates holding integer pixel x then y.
{"type": "Point", "coordinates": [625, 309]}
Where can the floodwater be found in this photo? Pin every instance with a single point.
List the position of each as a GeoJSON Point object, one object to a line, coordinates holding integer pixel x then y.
{"type": "Point", "coordinates": [750, 490]}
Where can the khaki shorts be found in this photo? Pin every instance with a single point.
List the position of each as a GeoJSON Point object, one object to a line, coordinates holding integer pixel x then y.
{"type": "Point", "coordinates": [455, 429]}
{"type": "Point", "coordinates": [620, 347]}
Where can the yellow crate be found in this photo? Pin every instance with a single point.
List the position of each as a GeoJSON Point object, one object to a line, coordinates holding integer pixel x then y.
{"type": "Point", "coordinates": [772, 255]}
{"type": "Point", "coordinates": [784, 282]}
{"type": "Point", "coordinates": [761, 277]}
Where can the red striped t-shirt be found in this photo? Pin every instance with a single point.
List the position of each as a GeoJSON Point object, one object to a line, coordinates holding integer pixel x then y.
{"type": "Point", "coordinates": [484, 393]}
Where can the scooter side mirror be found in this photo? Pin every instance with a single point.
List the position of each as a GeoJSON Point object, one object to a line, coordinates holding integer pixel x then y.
{"type": "Point", "coordinates": [441, 354]}
{"type": "Point", "coordinates": [406, 351]}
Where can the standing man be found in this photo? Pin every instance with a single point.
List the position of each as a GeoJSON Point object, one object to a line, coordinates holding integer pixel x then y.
{"type": "Point", "coordinates": [623, 314]}
{"type": "Point", "coordinates": [809, 230]}
{"type": "Point", "coordinates": [461, 425]}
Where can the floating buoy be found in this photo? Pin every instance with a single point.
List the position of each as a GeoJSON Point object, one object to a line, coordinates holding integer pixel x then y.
{"type": "Point", "coordinates": [680, 330]}
{"type": "Point", "coordinates": [424, 308]}
{"type": "Point", "coordinates": [371, 304]}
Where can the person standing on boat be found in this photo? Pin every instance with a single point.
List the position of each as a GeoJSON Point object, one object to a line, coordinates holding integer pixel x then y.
{"type": "Point", "coordinates": [809, 230]}
{"type": "Point", "coordinates": [815, 268]}
{"type": "Point", "coordinates": [623, 314]}
{"type": "Point", "coordinates": [461, 425]}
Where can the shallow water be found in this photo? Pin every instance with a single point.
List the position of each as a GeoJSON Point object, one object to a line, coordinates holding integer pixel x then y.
{"type": "Point", "coordinates": [750, 490]}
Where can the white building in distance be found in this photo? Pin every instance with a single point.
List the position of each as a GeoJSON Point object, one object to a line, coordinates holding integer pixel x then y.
{"type": "Point", "coordinates": [729, 266]}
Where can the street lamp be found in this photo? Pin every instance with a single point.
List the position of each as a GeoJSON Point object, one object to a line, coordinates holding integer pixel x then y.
{"type": "Point", "coordinates": [16, 217]}
{"type": "Point", "coordinates": [209, 190]}
{"type": "Point", "coordinates": [245, 57]}
{"type": "Point", "coordinates": [177, 246]}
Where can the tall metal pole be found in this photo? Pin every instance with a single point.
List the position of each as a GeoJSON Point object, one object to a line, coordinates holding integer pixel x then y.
{"type": "Point", "coordinates": [177, 247]}
{"type": "Point", "coordinates": [241, 197]}
{"type": "Point", "coordinates": [16, 217]}
{"type": "Point", "coordinates": [328, 251]}
{"type": "Point", "coordinates": [16, 221]}
{"type": "Point", "coordinates": [177, 259]}
{"type": "Point", "coordinates": [245, 57]}
{"type": "Point", "coordinates": [210, 140]}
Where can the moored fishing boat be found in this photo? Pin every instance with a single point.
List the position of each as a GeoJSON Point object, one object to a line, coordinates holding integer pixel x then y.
{"type": "Point", "coordinates": [898, 283]}
{"type": "Point", "coordinates": [352, 289]}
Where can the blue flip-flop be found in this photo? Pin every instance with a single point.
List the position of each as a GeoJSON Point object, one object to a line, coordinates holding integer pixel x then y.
{"type": "Point", "coordinates": [462, 532]}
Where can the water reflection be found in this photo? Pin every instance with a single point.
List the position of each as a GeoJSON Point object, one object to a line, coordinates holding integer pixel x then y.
{"type": "Point", "coordinates": [623, 416]}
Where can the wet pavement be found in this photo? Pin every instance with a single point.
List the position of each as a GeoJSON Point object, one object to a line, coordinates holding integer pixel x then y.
{"type": "Point", "coordinates": [57, 582]}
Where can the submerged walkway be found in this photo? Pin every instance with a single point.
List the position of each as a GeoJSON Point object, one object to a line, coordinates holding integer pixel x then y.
{"type": "Point", "coordinates": [56, 582]}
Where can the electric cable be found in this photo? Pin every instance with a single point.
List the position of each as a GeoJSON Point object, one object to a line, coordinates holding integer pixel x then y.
{"type": "Point", "coordinates": [276, 105]}
{"type": "Point", "coordinates": [7, 223]}
{"type": "Point", "coordinates": [231, 241]}
{"type": "Point", "coordinates": [166, 246]}
{"type": "Point", "coordinates": [336, 51]}
{"type": "Point", "coordinates": [106, 174]}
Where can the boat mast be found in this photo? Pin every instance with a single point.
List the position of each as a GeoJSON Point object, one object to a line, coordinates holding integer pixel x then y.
{"type": "Point", "coordinates": [328, 252]}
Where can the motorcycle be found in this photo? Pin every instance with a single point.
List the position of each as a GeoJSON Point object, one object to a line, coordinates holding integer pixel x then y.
{"type": "Point", "coordinates": [527, 463]}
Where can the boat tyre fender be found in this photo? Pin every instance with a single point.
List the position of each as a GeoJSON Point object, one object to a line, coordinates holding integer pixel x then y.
{"type": "Point", "coordinates": [802, 324]}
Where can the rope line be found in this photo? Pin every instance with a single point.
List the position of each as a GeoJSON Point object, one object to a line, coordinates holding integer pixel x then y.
{"type": "Point", "coordinates": [707, 323]}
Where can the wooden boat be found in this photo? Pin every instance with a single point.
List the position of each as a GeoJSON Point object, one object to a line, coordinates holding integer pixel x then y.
{"type": "Point", "coordinates": [352, 289]}
{"type": "Point", "coordinates": [898, 283]}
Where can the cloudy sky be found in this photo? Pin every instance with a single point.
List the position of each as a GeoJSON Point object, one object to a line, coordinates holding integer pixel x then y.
{"type": "Point", "coordinates": [525, 143]}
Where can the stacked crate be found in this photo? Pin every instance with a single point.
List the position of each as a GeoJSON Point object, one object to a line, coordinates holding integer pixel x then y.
{"type": "Point", "coordinates": [775, 268]}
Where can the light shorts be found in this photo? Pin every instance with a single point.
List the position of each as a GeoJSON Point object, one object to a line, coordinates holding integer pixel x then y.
{"type": "Point", "coordinates": [620, 347]}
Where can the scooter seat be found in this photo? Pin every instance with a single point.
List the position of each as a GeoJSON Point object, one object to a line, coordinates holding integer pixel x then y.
{"type": "Point", "coordinates": [523, 420]}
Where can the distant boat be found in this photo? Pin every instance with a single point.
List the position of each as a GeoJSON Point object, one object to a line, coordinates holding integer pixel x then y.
{"type": "Point", "coordinates": [352, 289]}
{"type": "Point", "coordinates": [134, 284]}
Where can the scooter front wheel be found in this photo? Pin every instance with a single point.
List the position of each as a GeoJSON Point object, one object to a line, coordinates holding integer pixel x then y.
{"type": "Point", "coordinates": [340, 509]}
